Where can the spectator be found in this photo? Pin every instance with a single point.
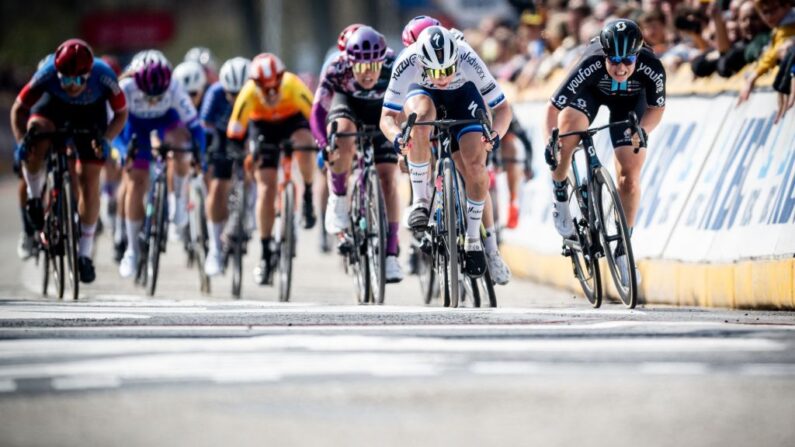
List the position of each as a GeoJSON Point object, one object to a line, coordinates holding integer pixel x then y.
{"type": "Point", "coordinates": [653, 25]}
{"type": "Point", "coordinates": [753, 36]}
{"type": "Point", "coordinates": [780, 17]}
{"type": "Point", "coordinates": [785, 81]}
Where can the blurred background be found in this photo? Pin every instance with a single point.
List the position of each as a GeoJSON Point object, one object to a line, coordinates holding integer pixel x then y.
{"type": "Point", "coordinates": [524, 41]}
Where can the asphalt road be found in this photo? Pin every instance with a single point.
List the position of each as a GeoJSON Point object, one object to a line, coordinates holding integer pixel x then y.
{"type": "Point", "coordinates": [117, 368]}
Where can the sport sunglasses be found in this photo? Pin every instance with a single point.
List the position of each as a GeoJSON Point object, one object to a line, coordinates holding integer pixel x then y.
{"type": "Point", "coordinates": [362, 67]}
{"type": "Point", "coordinates": [438, 73]}
{"type": "Point", "coordinates": [69, 80]}
{"type": "Point", "coordinates": [626, 60]}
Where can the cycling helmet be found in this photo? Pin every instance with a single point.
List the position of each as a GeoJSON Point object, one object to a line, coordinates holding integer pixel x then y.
{"type": "Point", "coordinates": [266, 70]}
{"type": "Point", "coordinates": [415, 26]}
{"type": "Point", "coordinates": [342, 40]}
{"type": "Point", "coordinates": [621, 38]}
{"type": "Point", "coordinates": [234, 73]}
{"type": "Point", "coordinates": [74, 58]}
{"type": "Point", "coordinates": [191, 76]}
{"type": "Point", "coordinates": [152, 72]}
{"type": "Point", "coordinates": [203, 56]}
{"type": "Point", "coordinates": [366, 45]}
{"type": "Point", "coordinates": [438, 49]}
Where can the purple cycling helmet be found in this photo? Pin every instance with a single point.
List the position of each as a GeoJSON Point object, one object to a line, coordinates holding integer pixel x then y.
{"type": "Point", "coordinates": [415, 27]}
{"type": "Point", "coordinates": [366, 45]}
{"type": "Point", "coordinates": [153, 73]}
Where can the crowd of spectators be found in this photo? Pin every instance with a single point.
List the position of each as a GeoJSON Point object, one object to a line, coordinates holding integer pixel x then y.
{"type": "Point", "coordinates": [713, 37]}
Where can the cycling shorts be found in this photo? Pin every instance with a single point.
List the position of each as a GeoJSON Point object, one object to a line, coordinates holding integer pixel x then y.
{"type": "Point", "coordinates": [78, 116]}
{"type": "Point", "coordinates": [367, 112]}
{"type": "Point", "coordinates": [142, 129]}
{"type": "Point", "coordinates": [274, 132]}
{"type": "Point", "coordinates": [589, 101]}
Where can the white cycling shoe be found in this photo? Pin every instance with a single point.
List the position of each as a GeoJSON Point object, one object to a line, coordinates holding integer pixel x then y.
{"type": "Point", "coordinates": [213, 265]}
{"type": "Point", "coordinates": [562, 217]}
{"type": "Point", "coordinates": [393, 271]}
{"type": "Point", "coordinates": [128, 264]}
{"type": "Point", "coordinates": [337, 214]}
{"type": "Point", "coordinates": [500, 273]}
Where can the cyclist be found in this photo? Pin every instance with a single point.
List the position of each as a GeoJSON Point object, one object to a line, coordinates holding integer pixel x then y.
{"type": "Point", "coordinates": [351, 92]}
{"type": "Point", "coordinates": [437, 71]}
{"type": "Point", "coordinates": [215, 112]}
{"type": "Point", "coordinates": [617, 71]}
{"type": "Point", "coordinates": [72, 86]}
{"type": "Point", "coordinates": [192, 77]}
{"type": "Point", "coordinates": [205, 57]}
{"type": "Point", "coordinates": [156, 105]}
{"type": "Point", "coordinates": [276, 105]}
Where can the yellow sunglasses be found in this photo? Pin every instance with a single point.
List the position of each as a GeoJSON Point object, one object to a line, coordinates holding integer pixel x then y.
{"type": "Point", "coordinates": [362, 67]}
{"type": "Point", "coordinates": [438, 73]}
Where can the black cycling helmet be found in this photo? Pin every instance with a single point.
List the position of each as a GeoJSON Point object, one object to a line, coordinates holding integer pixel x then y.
{"type": "Point", "coordinates": [621, 38]}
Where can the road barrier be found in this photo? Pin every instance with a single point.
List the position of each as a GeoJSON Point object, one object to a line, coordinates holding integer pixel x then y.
{"type": "Point", "coordinates": [716, 223]}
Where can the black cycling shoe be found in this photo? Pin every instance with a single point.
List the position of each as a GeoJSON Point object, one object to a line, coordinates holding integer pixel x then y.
{"type": "Point", "coordinates": [118, 250]}
{"type": "Point", "coordinates": [35, 211]}
{"type": "Point", "coordinates": [86, 268]}
{"type": "Point", "coordinates": [474, 259]}
{"type": "Point", "coordinates": [262, 273]}
{"type": "Point", "coordinates": [309, 213]}
{"type": "Point", "coordinates": [418, 219]}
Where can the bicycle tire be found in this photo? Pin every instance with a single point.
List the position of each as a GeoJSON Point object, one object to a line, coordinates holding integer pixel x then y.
{"type": "Point", "coordinates": [451, 233]}
{"type": "Point", "coordinates": [55, 245]}
{"type": "Point", "coordinates": [238, 238]}
{"type": "Point", "coordinates": [198, 234]}
{"type": "Point", "coordinates": [427, 276]}
{"type": "Point", "coordinates": [45, 279]}
{"type": "Point", "coordinates": [157, 238]}
{"type": "Point", "coordinates": [584, 261]}
{"type": "Point", "coordinates": [603, 183]}
{"type": "Point", "coordinates": [68, 221]}
{"type": "Point", "coordinates": [376, 237]}
{"type": "Point", "coordinates": [287, 243]}
{"type": "Point", "coordinates": [358, 255]}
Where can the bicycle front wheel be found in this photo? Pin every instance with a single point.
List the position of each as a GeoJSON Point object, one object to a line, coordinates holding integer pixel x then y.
{"type": "Point", "coordinates": [358, 254]}
{"type": "Point", "coordinates": [158, 237]}
{"type": "Point", "coordinates": [69, 223]}
{"type": "Point", "coordinates": [287, 243]}
{"type": "Point", "coordinates": [450, 234]}
{"type": "Point", "coordinates": [236, 251]}
{"type": "Point", "coordinates": [615, 238]}
{"type": "Point", "coordinates": [197, 226]}
{"type": "Point", "coordinates": [376, 236]}
{"type": "Point", "coordinates": [583, 254]}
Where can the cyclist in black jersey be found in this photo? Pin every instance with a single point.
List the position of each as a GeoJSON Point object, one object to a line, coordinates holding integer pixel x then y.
{"type": "Point", "coordinates": [619, 72]}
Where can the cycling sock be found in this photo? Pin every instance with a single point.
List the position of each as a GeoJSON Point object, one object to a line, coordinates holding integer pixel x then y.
{"type": "Point", "coordinates": [308, 191]}
{"type": "Point", "coordinates": [86, 240]}
{"type": "Point", "coordinates": [339, 183]}
{"type": "Point", "coordinates": [392, 239]}
{"type": "Point", "coordinates": [34, 182]}
{"type": "Point", "coordinates": [266, 247]}
{"type": "Point", "coordinates": [419, 182]}
{"type": "Point", "coordinates": [491, 240]}
{"type": "Point", "coordinates": [133, 228]}
{"type": "Point", "coordinates": [27, 227]}
{"type": "Point", "coordinates": [215, 229]}
{"type": "Point", "coordinates": [179, 185]}
{"type": "Point", "coordinates": [561, 190]}
{"type": "Point", "coordinates": [474, 217]}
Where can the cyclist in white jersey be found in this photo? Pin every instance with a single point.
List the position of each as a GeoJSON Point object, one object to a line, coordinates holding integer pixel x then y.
{"type": "Point", "coordinates": [435, 74]}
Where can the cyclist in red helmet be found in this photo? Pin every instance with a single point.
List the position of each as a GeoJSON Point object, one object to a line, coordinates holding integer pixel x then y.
{"type": "Point", "coordinates": [72, 86]}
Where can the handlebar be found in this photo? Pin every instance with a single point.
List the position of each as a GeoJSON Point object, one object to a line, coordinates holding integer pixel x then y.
{"type": "Point", "coordinates": [446, 124]}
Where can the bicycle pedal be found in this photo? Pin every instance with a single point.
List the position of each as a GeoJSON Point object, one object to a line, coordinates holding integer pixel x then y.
{"type": "Point", "coordinates": [426, 245]}
{"type": "Point", "coordinates": [566, 252]}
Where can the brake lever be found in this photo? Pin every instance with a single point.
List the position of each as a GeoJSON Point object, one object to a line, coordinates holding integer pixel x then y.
{"type": "Point", "coordinates": [407, 126]}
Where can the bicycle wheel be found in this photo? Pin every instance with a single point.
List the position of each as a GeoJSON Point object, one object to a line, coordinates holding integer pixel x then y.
{"type": "Point", "coordinates": [584, 259]}
{"type": "Point", "coordinates": [358, 255]}
{"type": "Point", "coordinates": [427, 275]}
{"type": "Point", "coordinates": [450, 233]}
{"type": "Point", "coordinates": [158, 236]}
{"type": "Point", "coordinates": [614, 236]}
{"type": "Point", "coordinates": [197, 228]}
{"type": "Point", "coordinates": [69, 230]}
{"type": "Point", "coordinates": [376, 236]}
{"type": "Point", "coordinates": [238, 236]}
{"type": "Point", "coordinates": [54, 249]}
{"type": "Point", "coordinates": [483, 287]}
{"type": "Point", "coordinates": [287, 243]}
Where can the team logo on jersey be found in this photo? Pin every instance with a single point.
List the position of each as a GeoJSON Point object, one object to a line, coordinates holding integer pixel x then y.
{"type": "Point", "coordinates": [472, 107]}
{"type": "Point", "coordinates": [561, 101]}
{"type": "Point", "coordinates": [660, 101]}
{"type": "Point", "coordinates": [657, 78]}
{"type": "Point", "coordinates": [581, 103]}
{"type": "Point", "coordinates": [406, 63]}
{"type": "Point", "coordinates": [582, 75]}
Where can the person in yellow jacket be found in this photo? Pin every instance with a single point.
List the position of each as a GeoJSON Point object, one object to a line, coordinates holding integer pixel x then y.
{"type": "Point", "coordinates": [274, 104]}
{"type": "Point", "coordinates": [779, 15]}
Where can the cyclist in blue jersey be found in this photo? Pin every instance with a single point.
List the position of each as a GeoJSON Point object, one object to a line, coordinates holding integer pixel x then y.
{"type": "Point", "coordinates": [71, 88]}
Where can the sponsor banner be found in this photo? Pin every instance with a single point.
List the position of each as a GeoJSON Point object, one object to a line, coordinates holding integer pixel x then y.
{"type": "Point", "coordinates": [742, 205]}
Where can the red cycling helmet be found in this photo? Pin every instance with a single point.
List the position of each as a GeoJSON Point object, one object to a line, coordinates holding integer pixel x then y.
{"type": "Point", "coordinates": [266, 70]}
{"type": "Point", "coordinates": [74, 58]}
{"type": "Point", "coordinates": [342, 40]}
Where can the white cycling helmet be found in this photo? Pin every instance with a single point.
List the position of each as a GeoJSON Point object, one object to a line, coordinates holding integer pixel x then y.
{"type": "Point", "coordinates": [191, 76]}
{"type": "Point", "coordinates": [234, 74]}
{"type": "Point", "coordinates": [202, 55]}
{"type": "Point", "coordinates": [438, 49]}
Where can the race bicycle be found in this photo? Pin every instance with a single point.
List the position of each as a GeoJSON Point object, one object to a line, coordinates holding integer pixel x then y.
{"type": "Point", "coordinates": [601, 226]}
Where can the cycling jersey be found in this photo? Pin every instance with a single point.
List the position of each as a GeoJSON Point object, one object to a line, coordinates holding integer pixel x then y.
{"type": "Point", "coordinates": [337, 80]}
{"type": "Point", "coordinates": [102, 85]}
{"type": "Point", "coordinates": [408, 71]}
{"type": "Point", "coordinates": [591, 75]}
{"type": "Point", "coordinates": [294, 98]}
{"type": "Point", "coordinates": [215, 108]}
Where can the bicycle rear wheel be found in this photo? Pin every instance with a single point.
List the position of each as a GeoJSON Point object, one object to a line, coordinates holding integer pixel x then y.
{"type": "Point", "coordinates": [376, 236]}
{"type": "Point", "coordinates": [615, 238]}
{"type": "Point", "coordinates": [68, 228]}
{"type": "Point", "coordinates": [427, 275]}
{"type": "Point", "coordinates": [450, 233]}
{"type": "Point", "coordinates": [287, 243]}
{"type": "Point", "coordinates": [45, 279]}
{"type": "Point", "coordinates": [158, 237]}
{"type": "Point", "coordinates": [238, 238]}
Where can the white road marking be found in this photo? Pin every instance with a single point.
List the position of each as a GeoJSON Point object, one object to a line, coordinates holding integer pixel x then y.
{"type": "Point", "coordinates": [7, 386]}
{"type": "Point", "coordinates": [80, 382]}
